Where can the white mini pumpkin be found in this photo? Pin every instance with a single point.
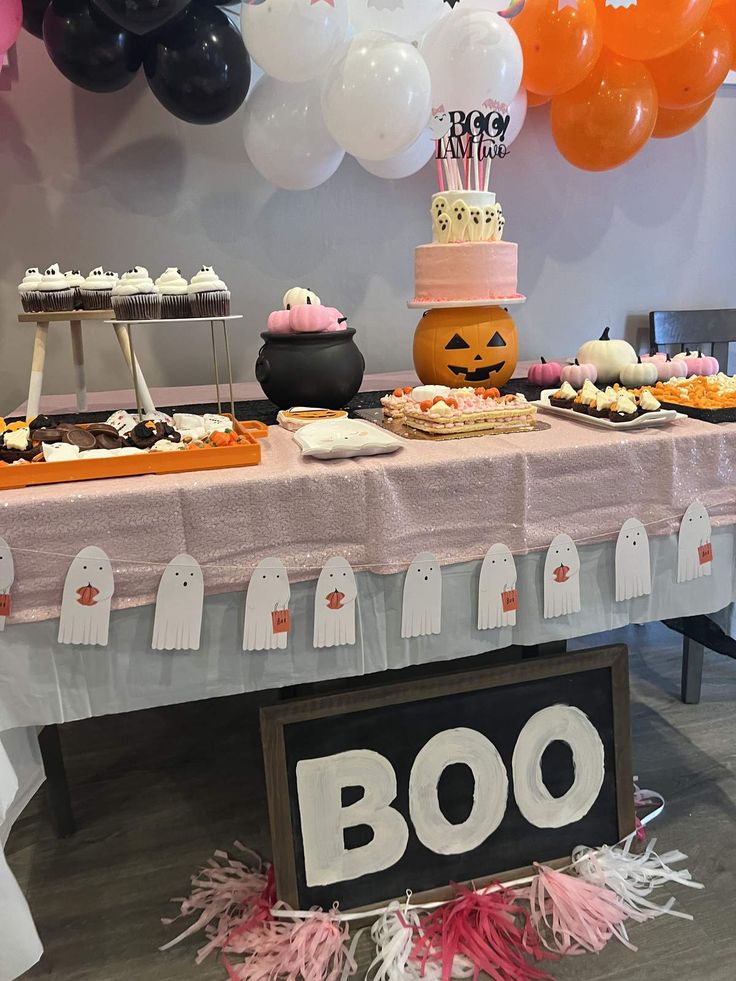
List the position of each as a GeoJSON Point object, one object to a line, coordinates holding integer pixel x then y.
{"type": "Point", "coordinates": [297, 296]}
{"type": "Point", "coordinates": [609, 357]}
{"type": "Point", "coordinates": [639, 374]}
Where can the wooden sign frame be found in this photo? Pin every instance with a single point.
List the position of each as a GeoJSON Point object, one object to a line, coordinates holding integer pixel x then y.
{"type": "Point", "coordinates": [275, 719]}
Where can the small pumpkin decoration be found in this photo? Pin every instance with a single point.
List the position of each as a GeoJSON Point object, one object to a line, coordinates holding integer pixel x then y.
{"type": "Point", "coordinates": [577, 374]}
{"type": "Point", "coordinates": [87, 595]}
{"type": "Point", "coordinates": [545, 374]}
{"type": "Point", "coordinates": [698, 364]}
{"type": "Point", "coordinates": [639, 374]}
{"type": "Point", "coordinates": [609, 356]}
{"type": "Point", "coordinates": [466, 346]}
{"type": "Point", "coordinates": [334, 600]}
{"type": "Point", "coordinates": [666, 369]}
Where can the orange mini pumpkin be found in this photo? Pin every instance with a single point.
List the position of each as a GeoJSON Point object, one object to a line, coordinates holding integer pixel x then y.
{"type": "Point", "coordinates": [461, 346]}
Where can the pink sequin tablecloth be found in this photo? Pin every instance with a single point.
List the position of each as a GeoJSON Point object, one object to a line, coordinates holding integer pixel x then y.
{"type": "Point", "coordinates": [454, 498]}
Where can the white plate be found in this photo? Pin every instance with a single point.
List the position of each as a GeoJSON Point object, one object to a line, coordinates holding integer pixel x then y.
{"type": "Point", "coordinates": [341, 438]}
{"type": "Point", "coordinates": [509, 301]}
{"type": "Point", "coordinates": [662, 418]}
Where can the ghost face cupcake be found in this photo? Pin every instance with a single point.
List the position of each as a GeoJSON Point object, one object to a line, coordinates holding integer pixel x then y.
{"type": "Point", "coordinates": [56, 294]}
{"type": "Point", "coordinates": [30, 295]}
{"type": "Point", "coordinates": [174, 296]}
{"type": "Point", "coordinates": [208, 295]}
{"type": "Point", "coordinates": [96, 290]}
{"type": "Point", "coordinates": [135, 296]}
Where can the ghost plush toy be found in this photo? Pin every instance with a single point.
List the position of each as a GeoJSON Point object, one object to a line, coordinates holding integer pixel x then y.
{"type": "Point", "coordinates": [561, 578]}
{"type": "Point", "coordinates": [633, 567]}
{"type": "Point", "coordinates": [85, 602]}
{"type": "Point", "coordinates": [334, 605]}
{"type": "Point", "coordinates": [497, 580]}
{"type": "Point", "coordinates": [421, 609]}
{"type": "Point", "coordinates": [268, 593]}
{"type": "Point", "coordinates": [693, 558]}
{"type": "Point", "coordinates": [177, 623]}
{"type": "Point", "coordinates": [7, 578]}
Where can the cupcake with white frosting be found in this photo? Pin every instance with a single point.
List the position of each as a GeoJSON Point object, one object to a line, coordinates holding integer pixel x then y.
{"type": "Point", "coordinates": [56, 293]}
{"type": "Point", "coordinates": [208, 295]}
{"type": "Point", "coordinates": [76, 280]}
{"type": "Point", "coordinates": [96, 290]}
{"type": "Point", "coordinates": [174, 294]}
{"type": "Point", "coordinates": [30, 295]}
{"type": "Point", "coordinates": [135, 296]}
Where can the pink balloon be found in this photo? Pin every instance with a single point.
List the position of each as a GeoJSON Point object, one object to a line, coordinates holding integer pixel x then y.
{"type": "Point", "coordinates": [11, 19]}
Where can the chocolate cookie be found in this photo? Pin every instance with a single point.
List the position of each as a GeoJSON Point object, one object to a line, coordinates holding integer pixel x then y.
{"type": "Point", "coordinates": [47, 435]}
{"type": "Point", "coordinates": [108, 441]}
{"type": "Point", "coordinates": [80, 437]}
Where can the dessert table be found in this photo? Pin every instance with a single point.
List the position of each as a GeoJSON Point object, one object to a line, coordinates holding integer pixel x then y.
{"type": "Point", "coordinates": [454, 498]}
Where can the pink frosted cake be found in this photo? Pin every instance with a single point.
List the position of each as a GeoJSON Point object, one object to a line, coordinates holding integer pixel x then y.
{"type": "Point", "coordinates": [467, 261]}
{"type": "Point", "coordinates": [468, 413]}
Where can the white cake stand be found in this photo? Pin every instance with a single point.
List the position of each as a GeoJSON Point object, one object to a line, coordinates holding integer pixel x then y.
{"type": "Point", "coordinates": [510, 301]}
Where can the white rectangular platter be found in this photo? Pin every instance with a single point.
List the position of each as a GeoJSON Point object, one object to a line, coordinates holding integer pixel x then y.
{"type": "Point", "coordinates": [662, 418]}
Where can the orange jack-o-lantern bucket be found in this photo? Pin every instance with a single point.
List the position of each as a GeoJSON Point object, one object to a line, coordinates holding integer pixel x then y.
{"type": "Point", "coordinates": [459, 346]}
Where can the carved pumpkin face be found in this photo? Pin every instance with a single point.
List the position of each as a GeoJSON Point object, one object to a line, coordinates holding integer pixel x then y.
{"type": "Point", "coordinates": [466, 346]}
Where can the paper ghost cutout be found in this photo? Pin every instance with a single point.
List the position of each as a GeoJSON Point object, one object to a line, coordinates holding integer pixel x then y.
{"type": "Point", "coordinates": [421, 610]}
{"type": "Point", "coordinates": [561, 578]}
{"type": "Point", "coordinates": [496, 604]}
{"type": "Point", "coordinates": [334, 605]}
{"type": "Point", "coordinates": [693, 559]}
{"type": "Point", "coordinates": [268, 593]}
{"type": "Point", "coordinates": [177, 623]}
{"type": "Point", "coordinates": [7, 578]}
{"type": "Point", "coordinates": [85, 602]}
{"type": "Point", "coordinates": [633, 566]}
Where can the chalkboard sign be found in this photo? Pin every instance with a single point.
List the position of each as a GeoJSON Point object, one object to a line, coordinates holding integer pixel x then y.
{"type": "Point", "coordinates": [467, 776]}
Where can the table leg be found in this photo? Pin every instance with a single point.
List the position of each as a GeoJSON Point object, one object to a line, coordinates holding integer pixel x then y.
{"type": "Point", "coordinates": [37, 364]}
{"type": "Point", "coordinates": [123, 341]}
{"type": "Point", "coordinates": [214, 362]}
{"type": "Point", "coordinates": [78, 358]}
{"type": "Point", "coordinates": [57, 787]}
{"type": "Point", "coordinates": [229, 367]}
{"type": "Point", "coordinates": [692, 671]}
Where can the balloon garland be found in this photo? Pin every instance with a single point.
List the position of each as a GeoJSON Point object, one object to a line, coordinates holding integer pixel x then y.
{"type": "Point", "coordinates": [366, 77]}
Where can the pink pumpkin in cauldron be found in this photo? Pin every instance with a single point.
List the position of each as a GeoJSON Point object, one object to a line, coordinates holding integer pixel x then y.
{"type": "Point", "coordinates": [577, 374]}
{"type": "Point", "coordinates": [310, 319]}
{"type": "Point", "coordinates": [546, 374]}
{"type": "Point", "coordinates": [278, 322]}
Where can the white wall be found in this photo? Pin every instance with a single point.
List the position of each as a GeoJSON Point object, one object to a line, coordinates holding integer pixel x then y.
{"type": "Point", "coordinates": [115, 180]}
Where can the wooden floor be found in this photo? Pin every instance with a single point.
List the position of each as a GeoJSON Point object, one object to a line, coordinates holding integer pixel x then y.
{"type": "Point", "coordinates": [157, 792]}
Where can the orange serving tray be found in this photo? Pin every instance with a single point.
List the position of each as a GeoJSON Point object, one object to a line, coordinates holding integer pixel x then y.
{"type": "Point", "coordinates": [211, 458]}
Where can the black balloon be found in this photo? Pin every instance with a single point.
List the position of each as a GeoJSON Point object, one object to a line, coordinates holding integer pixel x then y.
{"type": "Point", "coordinates": [198, 68]}
{"type": "Point", "coordinates": [33, 11]}
{"type": "Point", "coordinates": [141, 16]}
{"type": "Point", "coordinates": [88, 49]}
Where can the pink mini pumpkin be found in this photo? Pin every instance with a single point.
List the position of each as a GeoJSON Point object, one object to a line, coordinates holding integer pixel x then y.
{"type": "Point", "coordinates": [278, 322]}
{"type": "Point", "coordinates": [656, 356]}
{"type": "Point", "coordinates": [577, 374]}
{"type": "Point", "coordinates": [697, 364]}
{"type": "Point", "coordinates": [546, 374]}
{"type": "Point", "coordinates": [310, 319]}
{"type": "Point", "coordinates": [670, 369]}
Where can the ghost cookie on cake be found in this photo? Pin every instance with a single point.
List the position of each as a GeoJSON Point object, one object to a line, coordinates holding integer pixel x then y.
{"type": "Point", "coordinates": [208, 295]}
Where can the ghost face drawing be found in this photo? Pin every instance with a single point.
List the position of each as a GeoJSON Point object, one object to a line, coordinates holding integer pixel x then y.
{"type": "Point", "coordinates": [561, 578]}
{"type": "Point", "coordinates": [85, 602]}
{"type": "Point", "coordinates": [268, 592]}
{"type": "Point", "coordinates": [633, 569]}
{"type": "Point", "coordinates": [421, 610]}
{"type": "Point", "coordinates": [7, 578]}
{"type": "Point", "coordinates": [334, 605]}
{"type": "Point", "coordinates": [497, 576]}
{"type": "Point", "coordinates": [695, 532]}
{"type": "Point", "coordinates": [177, 623]}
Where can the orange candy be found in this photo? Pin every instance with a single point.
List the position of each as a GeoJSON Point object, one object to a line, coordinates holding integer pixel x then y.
{"type": "Point", "coordinates": [398, 393]}
{"type": "Point", "coordinates": [426, 405]}
{"type": "Point", "coordinates": [408, 390]}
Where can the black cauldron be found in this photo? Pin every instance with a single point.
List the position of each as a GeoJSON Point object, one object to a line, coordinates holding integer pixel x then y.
{"type": "Point", "coordinates": [321, 370]}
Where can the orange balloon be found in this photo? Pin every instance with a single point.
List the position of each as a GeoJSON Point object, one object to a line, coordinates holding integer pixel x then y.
{"type": "Point", "coordinates": [693, 72]}
{"type": "Point", "coordinates": [608, 118]}
{"type": "Point", "coordinates": [560, 45]}
{"type": "Point", "coordinates": [727, 13]}
{"type": "Point", "coordinates": [534, 99]}
{"type": "Point", "coordinates": [672, 122]}
{"type": "Point", "coordinates": [650, 28]}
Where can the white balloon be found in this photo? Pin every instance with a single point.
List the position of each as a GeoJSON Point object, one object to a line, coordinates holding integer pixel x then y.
{"type": "Point", "coordinates": [293, 39]}
{"type": "Point", "coordinates": [376, 96]}
{"type": "Point", "coordinates": [406, 163]}
{"type": "Point", "coordinates": [472, 57]}
{"type": "Point", "coordinates": [407, 19]}
{"type": "Point", "coordinates": [285, 135]}
{"type": "Point", "coordinates": [517, 116]}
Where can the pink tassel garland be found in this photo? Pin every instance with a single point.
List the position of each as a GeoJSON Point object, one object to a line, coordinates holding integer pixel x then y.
{"type": "Point", "coordinates": [571, 915]}
{"type": "Point", "coordinates": [491, 929]}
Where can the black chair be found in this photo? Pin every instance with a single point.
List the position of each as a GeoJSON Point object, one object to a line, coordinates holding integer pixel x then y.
{"type": "Point", "coordinates": [712, 332]}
